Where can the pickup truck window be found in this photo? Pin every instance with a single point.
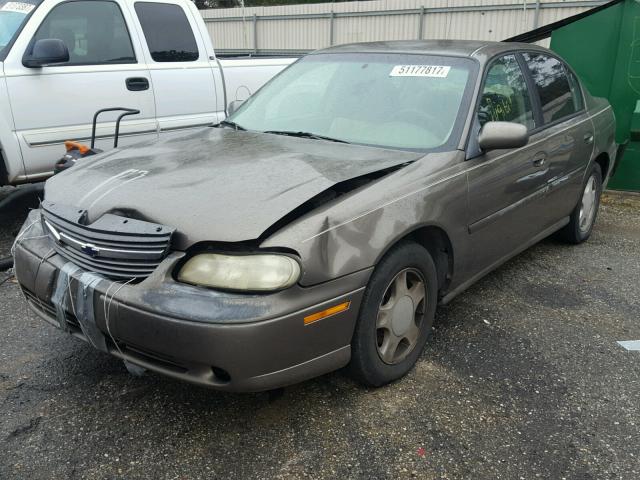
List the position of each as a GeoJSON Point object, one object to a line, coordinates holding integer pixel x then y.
{"type": "Point", "coordinates": [556, 97]}
{"type": "Point", "coordinates": [414, 102]}
{"type": "Point", "coordinates": [94, 31]}
{"type": "Point", "coordinates": [13, 15]}
{"type": "Point", "coordinates": [167, 31]}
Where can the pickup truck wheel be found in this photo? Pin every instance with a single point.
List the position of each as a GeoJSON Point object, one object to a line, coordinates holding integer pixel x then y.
{"type": "Point", "coordinates": [584, 215]}
{"type": "Point", "coordinates": [396, 316]}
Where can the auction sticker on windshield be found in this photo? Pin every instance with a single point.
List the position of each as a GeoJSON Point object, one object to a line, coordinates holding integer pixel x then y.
{"type": "Point", "coordinates": [17, 7]}
{"type": "Point", "coordinates": [436, 71]}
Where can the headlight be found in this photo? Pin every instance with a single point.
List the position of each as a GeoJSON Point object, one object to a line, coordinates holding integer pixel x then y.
{"type": "Point", "coordinates": [263, 272]}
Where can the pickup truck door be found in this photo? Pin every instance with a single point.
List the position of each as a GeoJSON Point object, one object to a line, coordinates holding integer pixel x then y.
{"type": "Point", "coordinates": [178, 58]}
{"type": "Point", "coordinates": [56, 103]}
{"type": "Point", "coordinates": [506, 187]}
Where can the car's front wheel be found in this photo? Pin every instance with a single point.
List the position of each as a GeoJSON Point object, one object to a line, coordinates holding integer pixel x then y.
{"type": "Point", "coordinates": [584, 215]}
{"type": "Point", "coordinates": [396, 316]}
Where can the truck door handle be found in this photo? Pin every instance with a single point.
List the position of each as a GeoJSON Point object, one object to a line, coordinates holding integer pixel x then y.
{"type": "Point", "coordinates": [539, 160]}
{"type": "Point", "coordinates": [588, 138]}
{"type": "Point", "coordinates": [137, 84]}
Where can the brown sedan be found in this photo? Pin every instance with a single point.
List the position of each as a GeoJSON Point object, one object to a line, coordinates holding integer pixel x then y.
{"type": "Point", "coordinates": [323, 221]}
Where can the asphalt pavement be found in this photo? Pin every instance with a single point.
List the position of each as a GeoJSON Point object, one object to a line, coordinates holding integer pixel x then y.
{"type": "Point", "coordinates": [522, 379]}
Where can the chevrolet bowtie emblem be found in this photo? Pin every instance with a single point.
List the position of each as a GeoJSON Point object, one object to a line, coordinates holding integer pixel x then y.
{"type": "Point", "coordinates": [89, 249]}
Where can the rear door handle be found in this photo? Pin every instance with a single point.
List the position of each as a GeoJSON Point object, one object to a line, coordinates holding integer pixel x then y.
{"type": "Point", "coordinates": [588, 138]}
{"type": "Point", "coordinates": [137, 84]}
{"type": "Point", "coordinates": [540, 159]}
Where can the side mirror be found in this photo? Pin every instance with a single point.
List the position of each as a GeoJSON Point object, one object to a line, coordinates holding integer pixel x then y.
{"type": "Point", "coordinates": [498, 135]}
{"type": "Point", "coordinates": [234, 106]}
{"type": "Point", "coordinates": [47, 51]}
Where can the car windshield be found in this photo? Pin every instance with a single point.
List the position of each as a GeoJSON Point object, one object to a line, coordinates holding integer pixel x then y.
{"type": "Point", "coordinates": [402, 101]}
{"type": "Point", "coordinates": [12, 16]}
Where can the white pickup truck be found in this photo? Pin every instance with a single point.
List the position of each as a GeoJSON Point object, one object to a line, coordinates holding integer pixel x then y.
{"type": "Point", "coordinates": [61, 61]}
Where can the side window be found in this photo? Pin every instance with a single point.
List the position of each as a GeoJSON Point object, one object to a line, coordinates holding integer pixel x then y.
{"type": "Point", "coordinates": [505, 96]}
{"type": "Point", "coordinates": [94, 32]}
{"type": "Point", "coordinates": [168, 32]}
{"type": "Point", "coordinates": [556, 96]}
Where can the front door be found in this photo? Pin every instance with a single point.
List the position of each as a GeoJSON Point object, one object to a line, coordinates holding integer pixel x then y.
{"type": "Point", "coordinates": [56, 103]}
{"type": "Point", "coordinates": [179, 64]}
{"type": "Point", "coordinates": [505, 186]}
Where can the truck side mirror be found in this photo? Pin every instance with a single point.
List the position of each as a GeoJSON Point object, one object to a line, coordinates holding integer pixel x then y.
{"type": "Point", "coordinates": [499, 135]}
{"type": "Point", "coordinates": [47, 51]}
{"type": "Point", "coordinates": [234, 106]}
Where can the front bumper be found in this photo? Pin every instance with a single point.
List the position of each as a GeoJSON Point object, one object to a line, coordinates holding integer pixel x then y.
{"type": "Point", "coordinates": [220, 340]}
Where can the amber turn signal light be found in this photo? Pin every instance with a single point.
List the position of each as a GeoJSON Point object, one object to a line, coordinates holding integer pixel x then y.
{"type": "Point", "coordinates": [314, 317]}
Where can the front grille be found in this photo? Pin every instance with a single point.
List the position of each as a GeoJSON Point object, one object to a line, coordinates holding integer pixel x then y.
{"type": "Point", "coordinates": [114, 246]}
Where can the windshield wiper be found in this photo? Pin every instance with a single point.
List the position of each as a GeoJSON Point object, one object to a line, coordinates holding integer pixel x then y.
{"type": "Point", "coordinates": [229, 123]}
{"type": "Point", "coordinates": [305, 135]}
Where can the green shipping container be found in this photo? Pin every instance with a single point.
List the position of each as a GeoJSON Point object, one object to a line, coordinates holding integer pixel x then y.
{"type": "Point", "coordinates": [604, 49]}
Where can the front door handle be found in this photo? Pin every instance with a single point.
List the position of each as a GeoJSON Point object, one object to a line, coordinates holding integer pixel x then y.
{"type": "Point", "coordinates": [588, 138]}
{"type": "Point", "coordinates": [540, 159]}
{"type": "Point", "coordinates": [137, 84]}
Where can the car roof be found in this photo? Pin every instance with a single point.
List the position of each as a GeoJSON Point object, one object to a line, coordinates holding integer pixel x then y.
{"type": "Point", "coordinates": [457, 48]}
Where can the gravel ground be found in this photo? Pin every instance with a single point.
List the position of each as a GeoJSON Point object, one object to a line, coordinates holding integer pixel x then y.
{"type": "Point", "coordinates": [522, 379]}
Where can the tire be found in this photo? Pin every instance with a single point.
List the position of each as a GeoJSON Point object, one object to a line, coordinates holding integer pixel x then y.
{"type": "Point", "coordinates": [582, 220]}
{"type": "Point", "coordinates": [385, 316]}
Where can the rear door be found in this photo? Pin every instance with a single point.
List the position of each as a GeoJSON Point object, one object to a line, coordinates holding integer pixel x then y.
{"type": "Point", "coordinates": [505, 186]}
{"type": "Point", "coordinates": [179, 64]}
{"type": "Point", "coordinates": [567, 129]}
{"type": "Point", "coordinates": [56, 103]}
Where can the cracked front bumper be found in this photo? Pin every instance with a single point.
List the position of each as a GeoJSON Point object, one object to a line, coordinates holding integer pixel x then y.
{"type": "Point", "coordinates": [221, 340]}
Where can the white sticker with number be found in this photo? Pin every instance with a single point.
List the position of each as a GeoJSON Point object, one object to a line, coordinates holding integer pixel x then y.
{"type": "Point", "coordinates": [17, 7]}
{"type": "Point", "coordinates": [435, 71]}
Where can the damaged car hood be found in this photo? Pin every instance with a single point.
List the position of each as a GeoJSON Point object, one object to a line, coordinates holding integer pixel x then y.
{"type": "Point", "coordinates": [215, 184]}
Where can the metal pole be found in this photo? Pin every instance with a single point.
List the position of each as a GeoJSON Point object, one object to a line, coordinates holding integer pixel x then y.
{"type": "Point", "coordinates": [255, 33]}
{"type": "Point", "coordinates": [536, 15]}
{"type": "Point", "coordinates": [420, 22]}
{"type": "Point", "coordinates": [331, 19]}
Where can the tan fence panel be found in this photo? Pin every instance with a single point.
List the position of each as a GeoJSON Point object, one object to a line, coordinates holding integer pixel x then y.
{"type": "Point", "coordinates": [298, 28]}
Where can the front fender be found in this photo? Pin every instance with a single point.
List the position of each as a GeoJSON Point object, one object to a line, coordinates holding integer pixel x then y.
{"type": "Point", "coordinates": [351, 233]}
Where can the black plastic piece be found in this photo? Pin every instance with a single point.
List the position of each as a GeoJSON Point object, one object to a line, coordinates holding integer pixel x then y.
{"type": "Point", "coordinates": [108, 226]}
{"type": "Point", "coordinates": [137, 84]}
{"type": "Point", "coordinates": [47, 51]}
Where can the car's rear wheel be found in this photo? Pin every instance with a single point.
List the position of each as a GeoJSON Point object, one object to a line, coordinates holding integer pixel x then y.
{"type": "Point", "coordinates": [584, 215]}
{"type": "Point", "coordinates": [396, 316]}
